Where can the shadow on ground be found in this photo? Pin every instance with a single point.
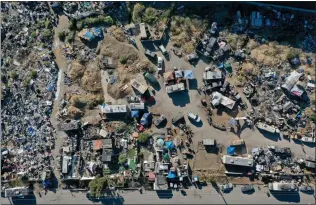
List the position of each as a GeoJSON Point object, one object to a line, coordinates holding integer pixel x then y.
{"type": "Point", "coordinates": [165, 194]}
{"type": "Point", "coordinates": [193, 84]}
{"type": "Point", "coordinates": [180, 98]}
{"type": "Point", "coordinates": [270, 136]}
{"type": "Point", "coordinates": [291, 197]}
{"type": "Point", "coordinates": [195, 123]}
{"type": "Point", "coordinates": [26, 200]}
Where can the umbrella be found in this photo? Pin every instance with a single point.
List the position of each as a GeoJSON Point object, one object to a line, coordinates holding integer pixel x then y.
{"type": "Point", "coordinates": [160, 142]}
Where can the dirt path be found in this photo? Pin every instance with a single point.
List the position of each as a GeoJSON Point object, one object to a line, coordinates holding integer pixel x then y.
{"type": "Point", "coordinates": [62, 64]}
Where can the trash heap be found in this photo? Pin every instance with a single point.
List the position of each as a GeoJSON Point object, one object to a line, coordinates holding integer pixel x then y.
{"type": "Point", "coordinates": [29, 76]}
{"type": "Point", "coordinates": [273, 160]}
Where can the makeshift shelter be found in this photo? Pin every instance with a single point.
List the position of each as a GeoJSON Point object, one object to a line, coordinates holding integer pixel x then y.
{"type": "Point", "coordinates": [134, 113]}
{"type": "Point", "coordinates": [230, 150]}
{"type": "Point", "coordinates": [291, 80]}
{"type": "Point", "coordinates": [145, 119]}
{"type": "Point", "coordinates": [178, 74]}
{"type": "Point", "coordinates": [169, 145]}
{"type": "Point", "coordinates": [228, 67]}
{"type": "Point", "coordinates": [160, 142]}
{"type": "Point", "coordinates": [171, 175]}
{"type": "Point", "coordinates": [188, 74]}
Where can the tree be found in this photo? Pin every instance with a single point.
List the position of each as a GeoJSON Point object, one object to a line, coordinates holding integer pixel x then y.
{"type": "Point", "coordinates": [47, 33]}
{"type": "Point", "coordinates": [150, 16]}
{"type": "Point", "coordinates": [62, 35]}
{"type": "Point", "coordinates": [72, 25]}
{"type": "Point", "coordinates": [97, 186]}
{"type": "Point", "coordinates": [122, 159]}
{"type": "Point", "coordinates": [143, 137]}
{"type": "Point", "coordinates": [138, 12]}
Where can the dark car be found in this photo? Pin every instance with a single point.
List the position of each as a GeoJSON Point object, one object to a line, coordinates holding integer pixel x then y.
{"type": "Point", "coordinates": [247, 188]}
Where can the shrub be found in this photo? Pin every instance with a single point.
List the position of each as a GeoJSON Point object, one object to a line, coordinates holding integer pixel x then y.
{"type": "Point", "coordinates": [33, 34]}
{"type": "Point", "coordinates": [72, 25]}
{"type": "Point", "coordinates": [313, 118]}
{"type": "Point", "coordinates": [292, 53]}
{"type": "Point", "coordinates": [14, 75]}
{"type": "Point", "coordinates": [47, 33]}
{"type": "Point", "coordinates": [47, 23]}
{"type": "Point", "coordinates": [138, 12]}
{"type": "Point", "coordinates": [33, 74]}
{"type": "Point", "coordinates": [62, 35]}
{"type": "Point", "coordinates": [143, 137]}
{"type": "Point", "coordinates": [123, 60]}
{"type": "Point", "coordinates": [122, 159]}
{"type": "Point", "coordinates": [97, 186]}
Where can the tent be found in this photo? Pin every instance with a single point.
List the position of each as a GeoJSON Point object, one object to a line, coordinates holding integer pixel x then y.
{"type": "Point", "coordinates": [97, 31]}
{"type": "Point", "coordinates": [169, 145]}
{"type": "Point", "coordinates": [231, 150]}
{"type": "Point", "coordinates": [171, 175]}
{"type": "Point", "coordinates": [145, 119]}
{"type": "Point", "coordinates": [134, 113]}
{"type": "Point", "coordinates": [160, 142]}
{"type": "Point", "coordinates": [188, 74]}
{"type": "Point", "coordinates": [89, 36]}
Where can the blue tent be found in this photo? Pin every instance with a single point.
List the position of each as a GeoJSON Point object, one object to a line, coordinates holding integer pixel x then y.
{"type": "Point", "coordinates": [169, 145]}
{"type": "Point", "coordinates": [89, 36]}
{"type": "Point", "coordinates": [97, 32]}
{"type": "Point", "coordinates": [230, 150]}
{"type": "Point", "coordinates": [188, 74]}
{"type": "Point", "coordinates": [171, 175]}
{"type": "Point", "coordinates": [145, 119]}
{"type": "Point", "coordinates": [135, 114]}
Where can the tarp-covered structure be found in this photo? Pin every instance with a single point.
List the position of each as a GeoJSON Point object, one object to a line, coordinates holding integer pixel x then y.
{"type": "Point", "coordinates": [169, 145]}
{"type": "Point", "coordinates": [231, 150]}
{"type": "Point", "coordinates": [291, 81]}
{"type": "Point", "coordinates": [134, 113]}
{"type": "Point", "coordinates": [218, 98]}
{"type": "Point", "coordinates": [171, 175]}
{"type": "Point", "coordinates": [188, 74]}
{"type": "Point", "coordinates": [146, 119]}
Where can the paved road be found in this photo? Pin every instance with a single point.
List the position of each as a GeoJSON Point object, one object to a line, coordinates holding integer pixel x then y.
{"type": "Point", "coordinates": [192, 196]}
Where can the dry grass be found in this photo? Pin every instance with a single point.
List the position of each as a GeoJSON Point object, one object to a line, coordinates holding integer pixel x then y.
{"type": "Point", "coordinates": [91, 79]}
{"type": "Point", "coordinates": [117, 33]}
{"type": "Point", "coordinates": [76, 70]}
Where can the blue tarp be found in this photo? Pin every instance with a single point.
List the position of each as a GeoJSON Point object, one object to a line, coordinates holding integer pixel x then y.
{"type": "Point", "coordinates": [145, 119]}
{"type": "Point", "coordinates": [97, 32]}
{"type": "Point", "coordinates": [171, 175]}
{"type": "Point", "coordinates": [169, 145]}
{"type": "Point", "coordinates": [230, 150]}
{"type": "Point", "coordinates": [135, 114]}
{"type": "Point", "coordinates": [89, 36]}
{"type": "Point", "coordinates": [51, 87]}
{"type": "Point", "coordinates": [188, 74]}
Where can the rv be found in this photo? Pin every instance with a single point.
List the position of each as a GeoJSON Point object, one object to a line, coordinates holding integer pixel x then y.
{"type": "Point", "coordinates": [277, 186]}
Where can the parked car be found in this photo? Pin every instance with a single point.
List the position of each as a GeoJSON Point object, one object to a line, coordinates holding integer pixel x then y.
{"type": "Point", "coordinates": [163, 49]}
{"type": "Point", "coordinates": [191, 57]}
{"type": "Point", "coordinates": [150, 54]}
{"type": "Point", "coordinates": [306, 189]}
{"type": "Point", "coordinates": [133, 99]}
{"type": "Point", "coordinates": [194, 117]}
{"type": "Point", "coordinates": [227, 187]}
{"type": "Point", "coordinates": [247, 188]}
{"type": "Point", "coordinates": [160, 63]}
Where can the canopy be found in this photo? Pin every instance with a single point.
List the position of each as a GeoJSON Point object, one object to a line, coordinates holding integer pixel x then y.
{"type": "Point", "coordinates": [230, 150]}
{"type": "Point", "coordinates": [169, 145]}
{"type": "Point", "coordinates": [171, 175]}
{"type": "Point", "coordinates": [160, 142]}
{"type": "Point", "coordinates": [188, 74]}
{"type": "Point", "coordinates": [134, 113]}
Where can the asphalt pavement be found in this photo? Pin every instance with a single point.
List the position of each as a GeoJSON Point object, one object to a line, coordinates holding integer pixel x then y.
{"type": "Point", "coordinates": [206, 195]}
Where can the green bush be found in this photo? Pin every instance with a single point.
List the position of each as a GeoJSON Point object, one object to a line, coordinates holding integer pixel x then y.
{"type": "Point", "coordinates": [47, 23]}
{"type": "Point", "coordinates": [97, 186]}
{"type": "Point", "coordinates": [26, 82]}
{"type": "Point", "coordinates": [292, 53]}
{"type": "Point", "coordinates": [138, 12]}
{"type": "Point", "coordinates": [33, 34]}
{"type": "Point", "coordinates": [313, 118]}
{"type": "Point", "coordinates": [33, 74]}
{"type": "Point", "coordinates": [47, 33]}
{"type": "Point", "coordinates": [123, 60]}
{"type": "Point", "coordinates": [150, 16]}
{"type": "Point", "coordinates": [14, 75]}
{"type": "Point", "coordinates": [143, 137]}
{"type": "Point", "coordinates": [62, 35]}
{"type": "Point", "coordinates": [98, 20]}
{"type": "Point", "coordinates": [122, 159]}
{"type": "Point", "coordinates": [72, 25]}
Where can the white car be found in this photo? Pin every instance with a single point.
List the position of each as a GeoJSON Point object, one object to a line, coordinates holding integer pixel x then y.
{"type": "Point", "coordinates": [160, 63]}
{"type": "Point", "coordinates": [194, 117]}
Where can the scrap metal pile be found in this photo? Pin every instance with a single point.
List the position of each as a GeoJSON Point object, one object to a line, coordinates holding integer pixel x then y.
{"type": "Point", "coordinates": [28, 84]}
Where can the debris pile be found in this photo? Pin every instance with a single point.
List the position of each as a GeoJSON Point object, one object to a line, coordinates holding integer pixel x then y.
{"type": "Point", "coordinates": [28, 78]}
